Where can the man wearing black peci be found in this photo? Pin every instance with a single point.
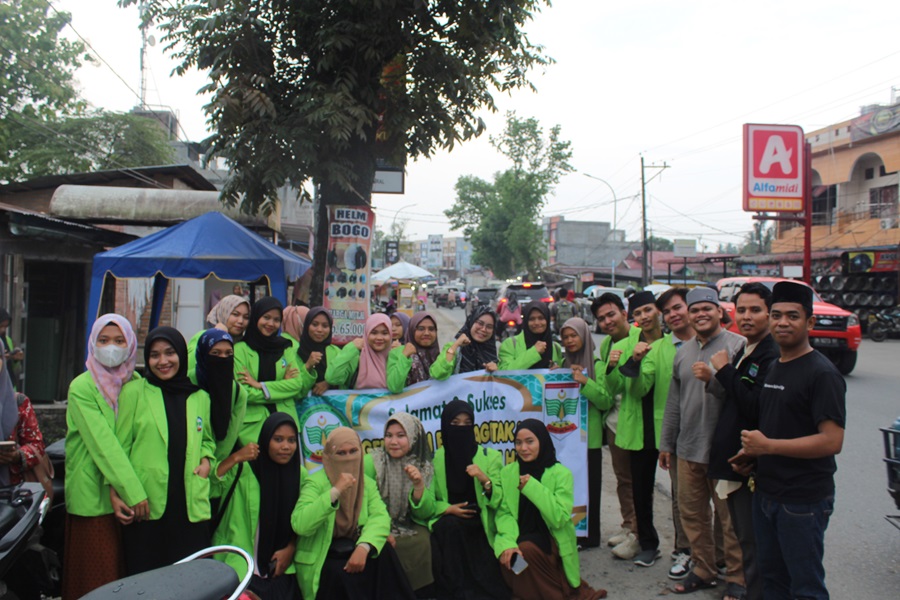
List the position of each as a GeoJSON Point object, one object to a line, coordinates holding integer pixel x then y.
{"type": "Point", "coordinates": [742, 380]}
{"type": "Point", "coordinates": [802, 413]}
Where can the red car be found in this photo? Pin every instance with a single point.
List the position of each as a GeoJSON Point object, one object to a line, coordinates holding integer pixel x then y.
{"type": "Point", "coordinates": [836, 333]}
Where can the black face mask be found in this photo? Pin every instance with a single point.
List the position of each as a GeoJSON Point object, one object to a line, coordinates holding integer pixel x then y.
{"type": "Point", "coordinates": [220, 387]}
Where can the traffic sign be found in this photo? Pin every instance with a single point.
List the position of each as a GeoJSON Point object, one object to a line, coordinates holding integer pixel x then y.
{"type": "Point", "coordinates": [774, 166]}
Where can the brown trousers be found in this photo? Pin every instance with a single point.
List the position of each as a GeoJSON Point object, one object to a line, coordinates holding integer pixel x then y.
{"type": "Point", "coordinates": [695, 491]}
{"type": "Point", "coordinates": [621, 463]}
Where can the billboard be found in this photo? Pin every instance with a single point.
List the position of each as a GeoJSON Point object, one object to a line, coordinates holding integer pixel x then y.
{"type": "Point", "coordinates": [435, 252]}
{"type": "Point", "coordinates": [346, 292]}
{"type": "Point", "coordinates": [774, 165]}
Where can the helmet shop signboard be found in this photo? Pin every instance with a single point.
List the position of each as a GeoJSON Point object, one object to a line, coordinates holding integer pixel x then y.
{"type": "Point", "coordinates": [346, 292]}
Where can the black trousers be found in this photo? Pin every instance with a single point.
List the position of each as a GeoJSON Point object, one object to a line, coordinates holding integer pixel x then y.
{"type": "Point", "coordinates": [643, 480]}
{"type": "Point", "coordinates": [740, 507]}
{"type": "Point", "coordinates": [595, 485]}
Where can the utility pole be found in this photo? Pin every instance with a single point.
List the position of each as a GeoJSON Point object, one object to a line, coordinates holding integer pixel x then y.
{"type": "Point", "coordinates": [645, 241]}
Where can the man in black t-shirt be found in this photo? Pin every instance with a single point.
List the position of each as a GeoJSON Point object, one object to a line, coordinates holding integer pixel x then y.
{"type": "Point", "coordinates": [801, 428]}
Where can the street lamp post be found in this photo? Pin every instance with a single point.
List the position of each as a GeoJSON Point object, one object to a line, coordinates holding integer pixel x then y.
{"type": "Point", "coordinates": [394, 221]}
{"type": "Point", "coordinates": [615, 219]}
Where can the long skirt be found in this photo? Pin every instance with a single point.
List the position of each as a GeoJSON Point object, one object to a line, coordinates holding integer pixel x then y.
{"type": "Point", "coordinates": [153, 544]}
{"type": "Point", "coordinates": [544, 578]}
{"type": "Point", "coordinates": [414, 552]}
{"type": "Point", "coordinates": [93, 551]}
{"type": "Point", "coordinates": [465, 567]}
{"type": "Point", "coordinates": [382, 577]}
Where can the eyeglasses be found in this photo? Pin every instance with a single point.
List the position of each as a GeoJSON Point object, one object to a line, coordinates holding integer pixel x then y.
{"type": "Point", "coordinates": [483, 325]}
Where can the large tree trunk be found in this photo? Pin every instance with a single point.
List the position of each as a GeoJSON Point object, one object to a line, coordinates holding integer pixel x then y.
{"type": "Point", "coordinates": [330, 194]}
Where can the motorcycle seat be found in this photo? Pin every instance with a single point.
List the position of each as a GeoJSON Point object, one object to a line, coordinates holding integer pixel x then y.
{"type": "Point", "coordinates": [202, 579]}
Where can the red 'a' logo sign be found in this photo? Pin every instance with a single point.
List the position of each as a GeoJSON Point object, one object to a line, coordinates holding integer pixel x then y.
{"type": "Point", "coordinates": [775, 154]}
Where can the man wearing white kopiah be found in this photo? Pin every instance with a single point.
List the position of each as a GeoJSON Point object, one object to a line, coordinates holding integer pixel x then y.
{"type": "Point", "coordinates": [692, 412]}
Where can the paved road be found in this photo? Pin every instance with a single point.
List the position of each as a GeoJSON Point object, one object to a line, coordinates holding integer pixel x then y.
{"type": "Point", "coordinates": [862, 550]}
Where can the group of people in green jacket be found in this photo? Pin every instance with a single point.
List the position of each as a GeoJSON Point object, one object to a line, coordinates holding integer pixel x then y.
{"type": "Point", "coordinates": [203, 448]}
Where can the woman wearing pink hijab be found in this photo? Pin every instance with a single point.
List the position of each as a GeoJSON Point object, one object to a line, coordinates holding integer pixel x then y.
{"type": "Point", "coordinates": [95, 462]}
{"type": "Point", "coordinates": [292, 318]}
{"type": "Point", "coordinates": [362, 364]}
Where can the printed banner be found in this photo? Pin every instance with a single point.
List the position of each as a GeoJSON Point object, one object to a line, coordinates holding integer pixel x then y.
{"type": "Point", "coordinates": [499, 402]}
{"type": "Point", "coordinates": [347, 277]}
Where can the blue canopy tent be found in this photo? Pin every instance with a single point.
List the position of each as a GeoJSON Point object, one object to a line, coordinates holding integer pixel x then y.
{"type": "Point", "coordinates": [211, 244]}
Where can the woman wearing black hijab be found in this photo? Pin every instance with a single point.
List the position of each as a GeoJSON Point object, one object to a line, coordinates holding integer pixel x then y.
{"type": "Point", "coordinates": [316, 338]}
{"type": "Point", "coordinates": [474, 349]}
{"type": "Point", "coordinates": [534, 347]}
{"type": "Point", "coordinates": [257, 517]}
{"type": "Point", "coordinates": [461, 503]}
{"type": "Point", "coordinates": [534, 522]}
{"type": "Point", "coordinates": [164, 427]}
{"type": "Point", "coordinates": [267, 366]}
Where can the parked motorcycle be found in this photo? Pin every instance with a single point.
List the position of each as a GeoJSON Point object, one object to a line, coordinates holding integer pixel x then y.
{"type": "Point", "coordinates": [196, 577]}
{"type": "Point", "coordinates": [884, 323]}
{"type": "Point", "coordinates": [22, 508]}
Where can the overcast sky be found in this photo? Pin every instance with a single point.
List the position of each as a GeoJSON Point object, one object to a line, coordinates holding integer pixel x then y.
{"type": "Point", "coordinates": [673, 81]}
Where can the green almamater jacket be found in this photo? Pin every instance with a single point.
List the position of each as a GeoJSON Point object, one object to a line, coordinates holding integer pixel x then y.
{"type": "Point", "coordinates": [600, 400]}
{"type": "Point", "coordinates": [241, 518]}
{"type": "Point", "coordinates": [331, 355]}
{"type": "Point", "coordinates": [554, 497]}
{"type": "Point", "coordinates": [143, 432]}
{"type": "Point", "coordinates": [655, 372]}
{"type": "Point", "coordinates": [614, 380]}
{"type": "Point", "coordinates": [514, 355]}
{"type": "Point", "coordinates": [283, 393]}
{"type": "Point", "coordinates": [436, 499]}
{"type": "Point", "coordinates": [94, 458]}
{"type": "Point", "coordinates": [313, 522]}
{"type": "Point", "coordinates": [398, 367]}
{"type": "Point", "coordinates": [341, 371]}
{"type": "Point", "coordinates": [440, 368]}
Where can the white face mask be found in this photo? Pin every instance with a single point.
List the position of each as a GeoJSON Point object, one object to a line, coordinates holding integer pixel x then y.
{"type": "Point", "coordinates": [110, 355]}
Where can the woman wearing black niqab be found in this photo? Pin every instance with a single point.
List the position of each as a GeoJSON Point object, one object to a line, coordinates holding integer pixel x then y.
{"type": "Point", "coordinates": [465, 501]}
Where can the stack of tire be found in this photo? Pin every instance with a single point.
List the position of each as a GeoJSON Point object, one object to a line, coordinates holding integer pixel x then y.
{"type": "Point", "coordinates": [861, 294]}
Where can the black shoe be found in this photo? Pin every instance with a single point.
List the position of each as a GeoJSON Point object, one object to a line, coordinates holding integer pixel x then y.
{"type": "Point", "coordinates": [646, 558]}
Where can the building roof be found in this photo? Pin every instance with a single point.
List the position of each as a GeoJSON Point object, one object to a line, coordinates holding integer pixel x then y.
{"type": "Point", "coordinates": [142, 176]}
{"type": "Point", "coordinates": [32, 223]}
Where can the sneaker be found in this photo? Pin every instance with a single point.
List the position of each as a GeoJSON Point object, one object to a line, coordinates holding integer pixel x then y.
{"type": "Point", "coordinates": [678, 552]}
{"type": "Point", "coordinates": [682, 566]}
{"type": "Point", "coordinates": [619, 537]}
{"type": "Point", "coordinates": [646, 558]}
{"type": "Point", "coordinates": [627, 549]}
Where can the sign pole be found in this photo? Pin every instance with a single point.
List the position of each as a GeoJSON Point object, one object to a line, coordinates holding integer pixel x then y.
{"type": "Point", "coordinates": [807, 221]}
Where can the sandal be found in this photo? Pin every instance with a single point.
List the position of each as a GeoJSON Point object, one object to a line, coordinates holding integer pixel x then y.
{"type": "Point", "coordinates": [735, 591]}
{"type": "Point", "coordinates": [692, 583]}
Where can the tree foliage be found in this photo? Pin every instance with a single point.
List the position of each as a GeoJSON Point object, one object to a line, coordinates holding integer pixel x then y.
{"type": "Point", "coordinates": [45, 128]}
{"type": "Point", "coordinates": [660, 243]}
{"type": "Point", "coordinates": [501, 217]}
{"type": "Point", "coordinates": [97, 141]}
{"type": "Point", "coordinates": [37, 66]}
{"type": "Point", "coordinates": [308, 90]}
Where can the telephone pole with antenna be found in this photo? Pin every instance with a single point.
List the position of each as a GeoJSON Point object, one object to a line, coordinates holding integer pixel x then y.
{"type": "Point", "coordinates": [645, 241]}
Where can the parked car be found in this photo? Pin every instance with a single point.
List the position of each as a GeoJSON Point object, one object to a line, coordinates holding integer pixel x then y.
{"type": "Point", "coordinates": [525, 292]}
{"type": "Point", "coordinates": [481, 296]}
{"type": "Point", "coordinates": [836, 333]}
